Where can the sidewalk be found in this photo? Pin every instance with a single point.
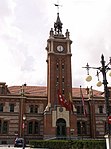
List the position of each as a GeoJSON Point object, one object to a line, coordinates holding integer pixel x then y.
{"type": "Point", "coordinates": [11, 147]}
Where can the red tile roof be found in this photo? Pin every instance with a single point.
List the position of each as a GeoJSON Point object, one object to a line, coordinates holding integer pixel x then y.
{"type": "Point", "coordinates": [76, 93]}
{"type": "Point", "coordinates": [42, 91]}
{"type": "Point", "coordinates": [29, 90]}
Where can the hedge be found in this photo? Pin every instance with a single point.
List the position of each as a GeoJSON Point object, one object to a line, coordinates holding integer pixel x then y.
{"type": "Point", "coordinates": [68, 144]}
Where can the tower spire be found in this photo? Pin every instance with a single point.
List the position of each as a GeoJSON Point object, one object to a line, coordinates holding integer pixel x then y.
{"type": "Point", "coordinates": [58, 24]}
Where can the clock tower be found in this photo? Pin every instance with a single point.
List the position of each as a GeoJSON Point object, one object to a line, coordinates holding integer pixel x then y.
{"type": "Point", "coordinates": [57, 118]}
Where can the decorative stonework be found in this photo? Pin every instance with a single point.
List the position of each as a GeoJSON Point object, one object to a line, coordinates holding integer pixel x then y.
{"type": "Point", "coordinates": [60, 114]}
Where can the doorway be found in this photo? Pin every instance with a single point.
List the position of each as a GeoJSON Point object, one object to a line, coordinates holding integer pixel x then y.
{"type": "Point", "coordinates": [61, 128]}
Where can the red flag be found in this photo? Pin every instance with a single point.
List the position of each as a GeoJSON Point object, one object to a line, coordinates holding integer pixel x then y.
{"type": "Point", "coordinates": [83, 103]}
{"type": "Point", "coordinates": [70, 106]}
{"type": "Point", "coordinates": [64, 102]}
{"type": "Point", "coordinates": [60, 98]}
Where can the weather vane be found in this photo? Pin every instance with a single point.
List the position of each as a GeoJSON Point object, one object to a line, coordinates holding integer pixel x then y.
{"type": "Point", "coordinates": [57, 5]}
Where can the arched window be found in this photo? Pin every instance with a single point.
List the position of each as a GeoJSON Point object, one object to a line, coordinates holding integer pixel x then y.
{"type": "Point", "coordinates": [33, 127]}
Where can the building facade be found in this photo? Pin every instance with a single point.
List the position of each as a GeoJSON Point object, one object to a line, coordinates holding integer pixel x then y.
{"type": "Point", "coordinates": [38, 112]}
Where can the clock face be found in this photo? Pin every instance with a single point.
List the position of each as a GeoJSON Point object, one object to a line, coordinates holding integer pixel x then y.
{"type": "Point", "coordinates": [60, 48]}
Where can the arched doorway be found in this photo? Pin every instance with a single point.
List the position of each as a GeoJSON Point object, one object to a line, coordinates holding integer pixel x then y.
{"type": "Point", "coordinates": [61, 128]}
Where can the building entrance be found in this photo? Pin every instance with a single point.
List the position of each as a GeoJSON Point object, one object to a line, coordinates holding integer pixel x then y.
{"type": "Point", "coordinates": [61, 128]}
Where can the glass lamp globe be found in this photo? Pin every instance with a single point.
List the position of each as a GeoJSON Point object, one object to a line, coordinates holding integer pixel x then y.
{"type": "Point", "coordinates": [99, 83]}
{"type": "Point", "coordinates": [110, 73]}
{"type": "Point", "coordinates": [24, 117]}
{"type": "Point", "coordinates": [88, 78]}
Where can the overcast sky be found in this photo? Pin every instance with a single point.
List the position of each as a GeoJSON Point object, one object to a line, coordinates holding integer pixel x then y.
{"type": "Point", "coordinates": [24, 30]}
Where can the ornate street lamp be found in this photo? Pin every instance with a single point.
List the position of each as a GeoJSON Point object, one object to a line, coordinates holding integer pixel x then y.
{"type": "Point", "coordinates": [24, 118]}
{"type": "Point", "coordinates": [103, 69]}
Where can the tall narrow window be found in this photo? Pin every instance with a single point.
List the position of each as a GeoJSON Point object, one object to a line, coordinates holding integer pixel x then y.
{"type": "Point", "coordinates": [5, 127]}
{"type": "Point", "coordinates": [105, 127]}
{"type": "Point", "coordinates": [0, 126]}
{"type": "Point", "coordinates": [36, 109]}
{"type": "Point", "coordinates": [78, 110]}
{"type": "Point", "coordinates": [82, 110]}
{"type": "Point", "coordinates": [57, 66]}
{"type": "Point", "coordinates": [78, 127]}
{"type": "Point", "coordinates": [100, 109]}
{"type": "Point", "coordinates": [62, 91]}
{"type": "Point", "coordinates": [36, 128]}
{"type": "Point", "coordinates": [63, 79]}
{"type": "Point", "coordinates": [57, 79]}
{"type": "Point", "coordinates": [84, 128]}
{"type": "Point", "coordinates": [62, 66]}
{"type": "Point", "coordinates": [1, 107]}
{"type": "Point", "coordinates": [81, 127]}
{"type": "Point", "coordinates": [33, 127]}
{"type": "Point", "coordinates": [11, 107]}
{"type": "Point", "coordinates": [109, 109]}
{"type": "Point", "coordinates": [31, 109]}
{"type": "Point", "coordinates": [30, 127]}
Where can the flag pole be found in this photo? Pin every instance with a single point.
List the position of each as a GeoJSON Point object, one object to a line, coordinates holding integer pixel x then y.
{"type": "Point", "coordinates": [83, 103]}
{"type": "Point", "coordinates": [56, 95]}
{"type": "Point", "coordinates": [56, 108]}
{"type": "Point", "coordinates": [81, 109]}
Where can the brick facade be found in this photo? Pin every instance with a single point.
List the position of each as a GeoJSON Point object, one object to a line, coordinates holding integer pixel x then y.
{"type": "Point", "coordinates": [45, 117]}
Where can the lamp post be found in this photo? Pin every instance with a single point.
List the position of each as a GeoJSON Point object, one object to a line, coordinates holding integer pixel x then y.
{"type": "Point", "coordinates": [103, 69]}
{"type": "Point", "coordinates": [81, 129]}
{"type": "Point", "coordinates": [24, 118]}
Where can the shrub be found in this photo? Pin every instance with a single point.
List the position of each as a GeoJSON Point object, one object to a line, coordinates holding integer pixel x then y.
{"type": "Point", "coordinates": [72, 144]}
